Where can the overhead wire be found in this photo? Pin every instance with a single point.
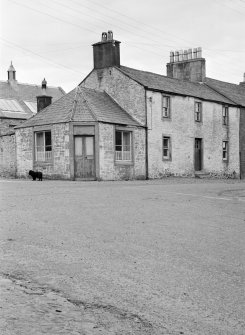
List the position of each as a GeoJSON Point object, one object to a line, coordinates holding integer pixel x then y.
{"type": "Point", "coordinates": [159, 44]}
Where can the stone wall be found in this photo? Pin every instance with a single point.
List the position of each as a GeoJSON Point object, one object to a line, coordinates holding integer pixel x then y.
{"type": "Point", "coordinates": [111, 170]}
{"type": "Point", "coordinates": [7, 156]}
{"type": "Point", "coordinates": [182, 129]}
{"type": "Point", "coordinates": [24, 151]}
{"type": "Point", "coordinates": [59, 167]}
{"type": "Point", "coordinates": [242, 142]}
{"type": "Point", "coordinates": [7, 125]}
{"type": "Point", "coordinates": [125, 91]}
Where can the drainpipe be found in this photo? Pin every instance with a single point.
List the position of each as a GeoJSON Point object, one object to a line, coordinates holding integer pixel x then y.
{"type": "Point", "coordinates": [146, 140]}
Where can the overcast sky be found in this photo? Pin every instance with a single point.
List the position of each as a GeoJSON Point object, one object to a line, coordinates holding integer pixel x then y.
{"type": "Point", "coordinates": [53, 39]}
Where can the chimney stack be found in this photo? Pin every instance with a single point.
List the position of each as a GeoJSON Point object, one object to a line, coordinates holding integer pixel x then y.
{"type": "Point", "coordinates": [187, 65]}
{"type": "Point", "coordinates": [106, 52]}
{"type": "Point", "coordinates": [43, 100]}
{"type": "Point", "coordinates": [242, 83]}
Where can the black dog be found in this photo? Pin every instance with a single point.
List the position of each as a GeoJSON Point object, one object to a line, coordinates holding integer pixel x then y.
{"type": "Point", "coordinates": [36, 175]}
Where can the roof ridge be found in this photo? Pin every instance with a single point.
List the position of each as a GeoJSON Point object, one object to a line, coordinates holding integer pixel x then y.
{"type": "Point", "coordinates": [164, 76]}
{"type": "Point", "coordinates": [226, 82]}
{"type": "Point", "coordinates": [74, 105]}
{"type": "Point", "coordinates": [33, 85]}
{"type": "Point", "coordinates": [87, 104]}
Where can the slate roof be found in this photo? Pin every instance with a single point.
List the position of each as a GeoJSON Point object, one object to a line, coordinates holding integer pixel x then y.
{"type": "Point", "coordinates": [234, 92]}
{"type": "Point", "coordinates": [82, 105]}
{"type": "Point", "coordinates": [170, 85]}
{"type": "Point", "coordinates": [25, 92]}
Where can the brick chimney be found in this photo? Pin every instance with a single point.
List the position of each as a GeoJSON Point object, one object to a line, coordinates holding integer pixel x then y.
{"type": "Point", "coordinates": [106, 52]}
{"type": "Point", "coordinates": [43, 100]}
{"type": "Point", "coordinates": [187, 65]}
{"type": "Point", "coordinates": [242, 83]}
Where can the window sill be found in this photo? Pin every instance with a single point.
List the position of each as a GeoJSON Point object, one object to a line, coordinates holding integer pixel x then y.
{"type": "Point", "coordinates": [124, 163]}
{"type": "Point", "coordinates": [166, 118]}
{"type": "Point", "coordinates": [43, 162]}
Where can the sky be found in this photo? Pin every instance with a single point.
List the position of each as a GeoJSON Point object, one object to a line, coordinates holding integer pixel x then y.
{"type": "Point", "coordinates": [53, 39]}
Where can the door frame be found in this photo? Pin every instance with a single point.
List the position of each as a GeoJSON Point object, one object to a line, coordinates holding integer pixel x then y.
{"type": "Point", "coordinates": [94, 165]}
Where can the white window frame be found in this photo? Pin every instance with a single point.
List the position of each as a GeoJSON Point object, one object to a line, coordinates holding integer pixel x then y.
{"type": "Point", "coordinates": [225, 151]}
{"type": "Point", "coordinates": [43, 155]}
{"type": "Point", "coordinates": [225, 115]}
{"type": "Point", "coordinates": [167, 147]}
{"type": "Point", "coordinates": [166, 107]}
{"type": "Point", "coordinates": [124, 155]}
{"type": "Point", "coordinates": [198, 111]}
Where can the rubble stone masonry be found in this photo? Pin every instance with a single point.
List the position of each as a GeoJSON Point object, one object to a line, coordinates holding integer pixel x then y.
{"type": "Point", "coordinates": [242, 142]}
{"type": "Point", "coordinates": [182, 130]}
{"type": "Point", "coordinates": [7, 156]}
{"type": "Point", "coordinates": [125, 91]}
{"type": "Point", "coordinates": [58, 167]}
{"type": "Point", "coordinates": [111, 170]}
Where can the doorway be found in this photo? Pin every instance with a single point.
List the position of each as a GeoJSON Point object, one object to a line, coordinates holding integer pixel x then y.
{"type": "Point", "coordinates": [84, 158]}
{"type": "Point", "coordinates": [198, 154]}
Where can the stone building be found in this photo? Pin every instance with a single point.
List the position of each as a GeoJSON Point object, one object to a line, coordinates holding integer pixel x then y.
{"type": "Point", "coordinates": [85, 135]}
{"type": "Point", "coordinates": [18, 102]}
{"type": "Point", "coordinates": [180, 124]}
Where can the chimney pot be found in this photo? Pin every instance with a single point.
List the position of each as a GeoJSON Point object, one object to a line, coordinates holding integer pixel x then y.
{"type": "Point", "coordinates": [176, 56]}
{"type": "Point", "coordinates": [171, 57]}
{"type": "Point", "coordinates": [187, 65]}
{"type": "Point", "coordinates": [110, 35]}
{"type": "Point", "coordinates": [104, 37]}
{"type": "Point", "coordinates": [180, 55]}
{"type": "Point", "coordinates": [185, 55]}
{"type": "Point", "coordinates": [195, 53]}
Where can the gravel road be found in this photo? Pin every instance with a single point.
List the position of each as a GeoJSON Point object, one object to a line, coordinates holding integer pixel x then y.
{"type": "Point", "coordinates": [141, 257]}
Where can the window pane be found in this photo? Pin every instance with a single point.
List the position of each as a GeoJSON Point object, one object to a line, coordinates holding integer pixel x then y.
{"type": "Point", "coordinates": [89, 146]}
{"type": "Point", "coordinates": [123, 150]}
{"type": "Point", "coordinates": [165, 142]}
{"type": "Point", "coordinates": [126, 139]}
{"type": "Point", "coordinates": [78, 146]}
{"type": "Point", "coordinates": [118, 148]}
{"type": "Point", "coordinates": [118, 138]}
{"type": "Point", "coordinates": [40, 140]}
{"type": "Point", "coordinates": [165, 101]}
{"type": "Point", "coordinates": [47, 138]}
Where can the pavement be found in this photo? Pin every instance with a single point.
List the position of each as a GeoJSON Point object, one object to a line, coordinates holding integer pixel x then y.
{"type": "Point", "coordinates": [135, 257]}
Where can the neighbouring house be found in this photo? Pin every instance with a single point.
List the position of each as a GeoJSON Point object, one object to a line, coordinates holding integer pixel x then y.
{"type": "Point", "coordinates": [18, 102]}
{"type": "Point", "coordinates": [123, 123]}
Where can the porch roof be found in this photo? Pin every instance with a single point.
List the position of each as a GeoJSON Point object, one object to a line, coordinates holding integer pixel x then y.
{"type": "Point", "coordinates": [82, 105]}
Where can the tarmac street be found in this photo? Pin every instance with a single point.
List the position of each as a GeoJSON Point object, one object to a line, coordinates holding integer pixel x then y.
{"type": "Point", "coordinates": [134, 257]}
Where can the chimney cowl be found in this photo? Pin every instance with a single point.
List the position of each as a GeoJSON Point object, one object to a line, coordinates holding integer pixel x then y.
{"type": "Point", "coordinates": [11, 73]}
